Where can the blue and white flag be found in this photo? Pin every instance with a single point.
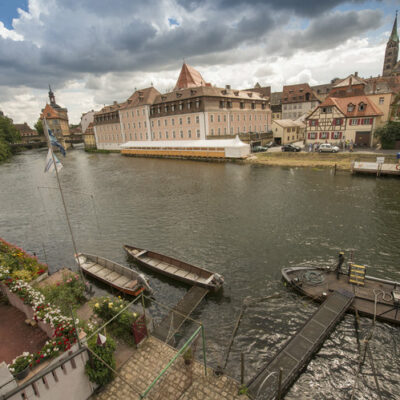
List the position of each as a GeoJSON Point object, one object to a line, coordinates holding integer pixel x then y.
{"type": "Point", "coordinates": [53, 139]}
{"type": "Point", "coordinates": [49, 167]}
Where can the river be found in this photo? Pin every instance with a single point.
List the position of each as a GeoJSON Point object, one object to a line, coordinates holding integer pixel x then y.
{"type": "Point", "coordinates": [245, 222]}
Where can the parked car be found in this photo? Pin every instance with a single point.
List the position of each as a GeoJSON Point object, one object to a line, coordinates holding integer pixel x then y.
{"type": "Point", "coordinates": [258, 149]}
{"type": "Point", "coordinates": [327, 148]}
{"type": "Point", "coordinates": [290, 147]}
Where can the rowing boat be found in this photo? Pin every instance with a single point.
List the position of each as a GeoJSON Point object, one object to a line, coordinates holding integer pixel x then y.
{"type": "Point", "coordinates": [373, 296]}
{"type": "Point", "coordinates": [176, 269]}
{"type": "Point", "coordinates": [113, 274]}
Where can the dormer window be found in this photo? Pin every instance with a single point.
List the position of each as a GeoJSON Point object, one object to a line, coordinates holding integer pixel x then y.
{"type": "Point", "coordinates": [166, 109]}
{"type": "Point", "coordinates": [362, 106]}
{"type": "Point", "coordinates": [350, 107]}
{"type": "Point", "coordinates": [197, 103]}
{"type": "Point", "coordinates": [173, 107]}
{"type": "Point", "coordinates": [159, 109]}
{"type": "Point", "coordinates": [181, 106]}
{"type": "Point", "coordinates": [221, 104]}
{"type": "Point", "coordinates": [189, 105]}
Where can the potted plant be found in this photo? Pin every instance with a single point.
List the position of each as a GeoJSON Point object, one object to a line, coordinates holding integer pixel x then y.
{"type": "Point", "coordinates": [188, 356]}
{"type": "Point", "coordinates": [20, 366]}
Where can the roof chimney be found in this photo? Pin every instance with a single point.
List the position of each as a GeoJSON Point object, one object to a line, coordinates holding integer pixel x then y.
{"type": "Point", "coordinates": [356, 74]}
{"type": "Point", "coordinates": [115, 102]}
{"type": "Point", "coordinates": [227, 86]}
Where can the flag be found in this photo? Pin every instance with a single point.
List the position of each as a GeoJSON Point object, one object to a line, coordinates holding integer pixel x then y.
{"type": "Point", "coordinates": [49, 167]}
{"type": "Point", "coordinates": [101, 340]}
{"type": "Point", "coordinates": [53, 140]}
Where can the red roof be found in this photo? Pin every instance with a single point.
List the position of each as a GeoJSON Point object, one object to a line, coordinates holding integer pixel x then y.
{"type": "Point", "coordinates": [298, 93]}
{"type": "Point", "coordinates": [342, 103]}
{"type": "Point", "coordinates": [188, 78]}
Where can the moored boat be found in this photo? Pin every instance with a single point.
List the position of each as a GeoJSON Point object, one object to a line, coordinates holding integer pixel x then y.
{"type": "Point", "coordinates": [373, 296]}
{"type": "Point", "coordinates": [176, 269]}
{"type": "Point", "coordinates": [113, 274]}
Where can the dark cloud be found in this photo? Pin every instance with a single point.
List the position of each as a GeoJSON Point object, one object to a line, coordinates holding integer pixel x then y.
{"type": "Point", "coordinates": [77, 38]}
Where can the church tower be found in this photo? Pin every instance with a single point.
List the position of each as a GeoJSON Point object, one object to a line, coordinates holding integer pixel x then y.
{"type": "Point", "coordinates": [392, 51]}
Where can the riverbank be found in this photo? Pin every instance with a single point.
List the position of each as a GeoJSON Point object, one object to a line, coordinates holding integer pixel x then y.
{"type": "Point", "coordinates": [315, 160]}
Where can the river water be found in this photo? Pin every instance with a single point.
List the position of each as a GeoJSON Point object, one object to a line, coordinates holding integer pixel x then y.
{"type": "Point", "coordinates": [243, 221]}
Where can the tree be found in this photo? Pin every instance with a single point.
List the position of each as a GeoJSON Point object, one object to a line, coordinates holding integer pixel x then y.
{"type": "Point", "coordinates": [39, 127]}
{"type": "Point", "coordinates": [8, 134]}
{"type": "Point", "coordinates": [388, 134]}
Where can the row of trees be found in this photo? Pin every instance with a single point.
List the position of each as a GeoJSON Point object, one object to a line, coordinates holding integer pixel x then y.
{"type": "Point", "coordinates": [8, 135]}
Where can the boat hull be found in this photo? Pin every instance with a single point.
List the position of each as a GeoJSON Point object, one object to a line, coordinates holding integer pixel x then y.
{"type": "Point", "coordinates": [113, 274]}
{"type": "Point", "coordinates": [318, 283]}
{"type": "Point", "coordinates": [205, 278]}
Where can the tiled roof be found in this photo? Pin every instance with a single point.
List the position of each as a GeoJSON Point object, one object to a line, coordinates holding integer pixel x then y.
{"type": "Point", "coordinates": [207, 91]}
{"type": "Point", "coordinates": [297, 93]}
{"type": "Point", "coordinates": [142, 97]}
{"type": "Point", "coordinates": [288, 123]}
{"type": "Point", "coordinates": [189, 78]}
{"type": "Point", "coordinates": [50, 113]}
{"type": "Point", "coordinates": [342, 104]}
{"type": "Point", "coordinates": [351, 79]}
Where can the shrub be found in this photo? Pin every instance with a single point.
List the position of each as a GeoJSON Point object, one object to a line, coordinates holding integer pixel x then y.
{"type": "Point", "coordinates": [20, 363]}
{"type": "Point", "coordinates": [107, 308]}
{"type": "Point", "coordinates": [388, 134]}
{"type": "Point", "coordinates": [95, 369]}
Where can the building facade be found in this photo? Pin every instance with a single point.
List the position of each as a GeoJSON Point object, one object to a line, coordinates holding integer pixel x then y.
{"type": "Point", "coordinates": [57, 119]}
{"type": "Point", "coordinates": [86, 119]}
{"type": "Point", "coordinates": [89, 139]}
{"type": "Point", "coordinates": [287, 131]}
{"type": "Point", "coordinates": [193, 111]}
{"type": "Point", "coordinates": [298, 100]}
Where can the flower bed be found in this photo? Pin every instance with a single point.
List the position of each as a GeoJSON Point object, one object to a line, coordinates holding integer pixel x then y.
{"type": "Point", "coordinates": [19, 264]}
{"type": "Point", "coordinates": [63, 334]}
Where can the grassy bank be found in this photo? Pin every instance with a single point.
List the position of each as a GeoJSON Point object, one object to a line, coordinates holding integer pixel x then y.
{"type": "Point", "coordinates": [102, 151]}
{"type": "Point", "coordinates": [342, 160]}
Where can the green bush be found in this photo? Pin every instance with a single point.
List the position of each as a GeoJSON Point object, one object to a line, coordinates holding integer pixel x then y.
{"type": "Point", "coordinates": [95, 369]}
{"type": "Point", "coordinates": [66, 294]}
{"type": "Point", "coordinates": [388, 134]}
{"type": "Point", "coordinates": [107, 308]}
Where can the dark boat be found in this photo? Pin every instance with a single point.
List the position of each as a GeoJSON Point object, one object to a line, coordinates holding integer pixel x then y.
{"type": "Point", "coordinates": [374, 296]}
{"type": "Point", "coordinates": [175, 268]}
{"type": "Point", "coordinates": [113, 274]}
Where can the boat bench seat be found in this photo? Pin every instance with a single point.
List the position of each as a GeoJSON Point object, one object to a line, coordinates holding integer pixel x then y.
{"type": "Point", "coordinates": [141, 253]}
{"type": "Point", "coordinates": [131, 284]}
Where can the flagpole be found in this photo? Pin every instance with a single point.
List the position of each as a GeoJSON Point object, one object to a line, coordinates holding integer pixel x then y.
{"type": "Point", "coordinates": [63, 201]}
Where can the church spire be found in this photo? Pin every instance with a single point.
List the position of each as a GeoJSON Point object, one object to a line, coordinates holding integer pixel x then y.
{"type": "Point", "coordinates": [394, 36]}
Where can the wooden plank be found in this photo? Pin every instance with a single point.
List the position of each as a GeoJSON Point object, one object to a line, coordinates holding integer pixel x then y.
{"type": "Point", "coordinates": [121, 281]}
{"type": "Point", "coordinates": [112, 277]}
{"type": "Point", "coordinates": [96, 269]}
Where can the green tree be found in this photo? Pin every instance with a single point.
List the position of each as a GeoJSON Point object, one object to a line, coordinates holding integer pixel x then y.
{"type": "Point", "coordinates": [39, 127]}
{"type": "Point", "coordinates": [388, 134]}
{"type": "Point", "coordinates": [8, 134]}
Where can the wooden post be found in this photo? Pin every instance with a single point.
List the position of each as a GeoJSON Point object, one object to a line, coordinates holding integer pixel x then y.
{"type": "Point", "coordinates": [335, 169]}
{"type": "Point", "coordinates": [279, 397]}
{"type": "Point", "coordinates": [241, 368]}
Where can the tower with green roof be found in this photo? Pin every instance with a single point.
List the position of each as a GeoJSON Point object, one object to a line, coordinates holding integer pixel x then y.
{"type": "Point", "coordinates": [392, 51]}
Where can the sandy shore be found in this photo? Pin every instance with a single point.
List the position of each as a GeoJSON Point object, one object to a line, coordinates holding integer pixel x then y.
{"type": "Point", "coordinates": [341, 160]}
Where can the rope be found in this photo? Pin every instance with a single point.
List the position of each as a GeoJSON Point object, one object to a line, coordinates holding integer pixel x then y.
{"type": "Point", "coordinates": [313, 278]}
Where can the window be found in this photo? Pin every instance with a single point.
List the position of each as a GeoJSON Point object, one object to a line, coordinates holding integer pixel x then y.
{"type": "Point", "coordinates": [231, 118]}
{"type": "Point", "coordinates": [337, 121]}
{"type": "Point", "coordinates": [147, 136]}
{"type": "Point", "coordinates": [173, 107]}
{"type": "Point", "coordinates": [145, 125]}
{"type": "Point", "coordinates": [188, 120]}
{"type": "Point", "coordinates": [212, 131]}
{"type": "Point", "coordinates": [313, 122]}
{"type": "Point", "coordinates": [231, 129]}
{"type": "Point", "coordinates": [165, 122]}
{"type": "Point", "coordinates": [133, 114]}
{"type": "Point", "coordinates": [224, 131]}
{"type": "Point", "coordinates": [219, 131]}
{"type": "Point", "coordinates": [350, 107]}
{"type": "Point", "coordinates": [197, 103]}
{"type": "Point", "coordinates": [189, 104]}
{"type": "Point", "coordinates": [224, 118]}
{"type": "Point", "coordinates": [180, 121]}
{"type": "Point", "coordinates": [159, 135]}
{"type": "Point", "coordinates": [253, 106]}
{"type": "Point", "coordinates": [198, 133]}
{"type": "Point", "coordinates": [381, 100]}
{"type": "Point", "coordinates": [312, 135]}
{"type": "Point", "coordinates": [197, 119]}
{"type": "Point", "coordinates": [166, 134]}
{"type": "Point", "coordinates": [366, 121]}
{"type": "Point", "coordinates": [212, 118]}
{"type": "Point", "coordinates": [250, 117]}
{"type": "Point", "coordinates": [134, 126]}
{"type": "Point", "coordinates": [324, 135]}
{"type": "Point", "coordinates": [141, 137]}
{"type": "Point", "coordinates": [158, 122]}
{"type": "Point", "coordinates": [219, 118]}
{"type": "Point", "coordinates": [336, 135]}
{"type": "Point", "coordinates": [128, 126]}
{"type": "Point", "coordinates": [362, 106]}
{"type": "Point", "coordinates": [221, 104]}
{"type": "Point", "coordinates": [173, 134]}
{"type": "Point", "coordinates": [189, 133]}
{"type": "Point", "coordinates": [242, 105]}
{"type": "Point", "coordinates": [139, 125]}
{"type": "Point", "coordinates": [166, 109]}
{"type": "Point", "coordinates": [144, 111]}
{"type": "Point", "coordinates": [354, 121]}
{"type": "Point", "coordinates": [180, 106]}
{"type": "Point", "coordinates": [181, 132]}
{"type": "Point", "coordinates": [238, 117]}
{"type": "Point", "coordinates": [172, 122]}
{"type": "Point", "coordinates": [263, 106]}
{"type": "Point", "coordinates": [326, 109]}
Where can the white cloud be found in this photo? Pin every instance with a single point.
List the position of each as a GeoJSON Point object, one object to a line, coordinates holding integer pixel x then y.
{"type": "Point", "coordinates": [9, 33]}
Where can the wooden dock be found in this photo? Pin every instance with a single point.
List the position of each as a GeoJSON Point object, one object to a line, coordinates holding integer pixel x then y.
{"type": "Point", "coordinates": [177, 316]}
{"type": "Point", "coordinates": [298, 351]}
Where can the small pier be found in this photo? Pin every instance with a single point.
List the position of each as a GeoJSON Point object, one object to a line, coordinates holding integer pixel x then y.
{"type": "Point", "coordinates": [177, 316]}
{"type": "Point", "coordinates": [298, 351]}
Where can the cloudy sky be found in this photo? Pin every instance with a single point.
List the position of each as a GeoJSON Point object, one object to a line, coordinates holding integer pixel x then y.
{"type": "Point", "coordinates": [93, 52]}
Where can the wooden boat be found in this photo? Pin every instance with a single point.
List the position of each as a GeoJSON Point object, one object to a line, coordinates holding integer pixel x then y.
{"type": "Point", "coordinates": [176, 269]}
{"type": "Point", "coordinates": [318, 283]}
{"type": "Point", "coordinates": [116, 275]}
